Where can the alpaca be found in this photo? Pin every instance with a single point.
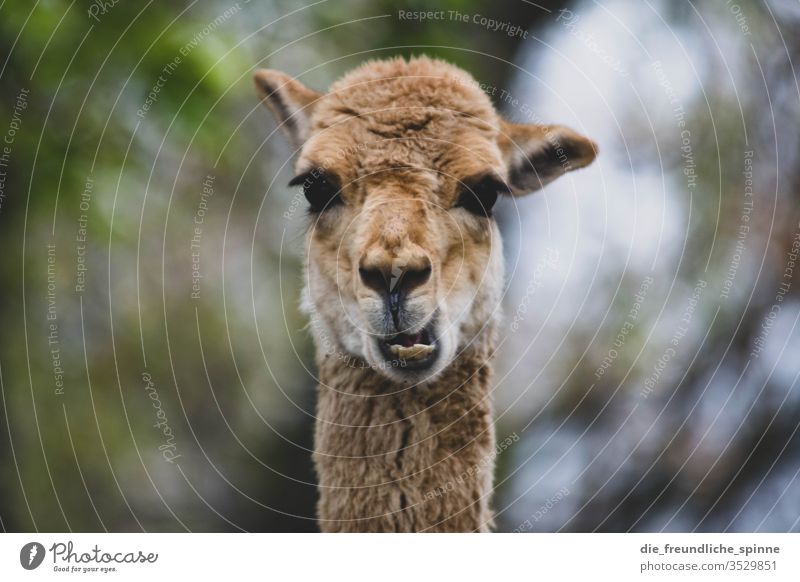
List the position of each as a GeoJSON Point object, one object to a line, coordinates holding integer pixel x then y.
{"type": "Point", "coordinates": [401, 162]}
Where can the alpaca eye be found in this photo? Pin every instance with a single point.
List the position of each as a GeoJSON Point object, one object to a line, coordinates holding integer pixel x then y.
{"type": "Point", "coordinates": [320, 189]}
{"type": "Point", "coordinates": [479, 196]}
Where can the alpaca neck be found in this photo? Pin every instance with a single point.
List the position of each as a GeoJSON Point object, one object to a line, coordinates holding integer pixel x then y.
{"type": "Point", "coordinates": [394, 457]}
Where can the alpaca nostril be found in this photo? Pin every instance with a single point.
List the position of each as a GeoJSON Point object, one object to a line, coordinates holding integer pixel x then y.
{"type": "Point", "coordinates": [413, 278]}
{"type": "Point", "coordinates": [374, 279]}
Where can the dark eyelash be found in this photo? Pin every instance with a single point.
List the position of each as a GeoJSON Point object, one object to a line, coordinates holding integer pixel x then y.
{"type": "Point", "coordinates": [479, 195]}
{"type": "Point", "coordinates": [320, 189]}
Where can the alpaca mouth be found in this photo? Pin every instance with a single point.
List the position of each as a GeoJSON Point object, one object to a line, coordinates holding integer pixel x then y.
{"type": "Point", "coordinates": [410, 349]}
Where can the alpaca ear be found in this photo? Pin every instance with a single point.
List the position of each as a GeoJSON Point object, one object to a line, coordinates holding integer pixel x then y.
{"type": "Point", "coordinates": [290, 101]}
{"type": "Point", "coordinates": [538, 154]}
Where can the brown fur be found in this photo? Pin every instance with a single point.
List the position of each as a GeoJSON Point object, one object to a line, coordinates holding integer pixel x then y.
{"type": "Point", "coordinates": [396, 449]}
{"type": "Point", "coordinates": [413, 459]}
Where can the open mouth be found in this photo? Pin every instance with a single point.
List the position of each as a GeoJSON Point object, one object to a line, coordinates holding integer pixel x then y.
{"type": "Point", "coordinates": [411, 349]}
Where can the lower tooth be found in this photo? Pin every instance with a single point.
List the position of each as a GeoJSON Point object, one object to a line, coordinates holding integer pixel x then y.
{"type": "Point", "coordinates": [415, 352]}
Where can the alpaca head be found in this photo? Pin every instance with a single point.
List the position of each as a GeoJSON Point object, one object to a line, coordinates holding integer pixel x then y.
{"type": "Point", "coordinates": [401, 163]}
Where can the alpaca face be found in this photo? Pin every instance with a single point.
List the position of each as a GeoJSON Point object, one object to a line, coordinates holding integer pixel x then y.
{"type": "Point", "coordinates": [401, 163]}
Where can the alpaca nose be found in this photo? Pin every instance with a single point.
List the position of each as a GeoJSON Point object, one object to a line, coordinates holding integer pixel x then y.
{"type": "Point", "coordinates": [395, 280]}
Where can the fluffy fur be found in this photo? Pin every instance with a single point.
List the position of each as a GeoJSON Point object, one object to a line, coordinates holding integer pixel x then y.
{"type": "Point", "coordinates": [401, 449]}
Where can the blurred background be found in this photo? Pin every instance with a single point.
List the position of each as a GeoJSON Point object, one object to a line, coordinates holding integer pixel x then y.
{"type": "Point", "coordinates": [155, 371]}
